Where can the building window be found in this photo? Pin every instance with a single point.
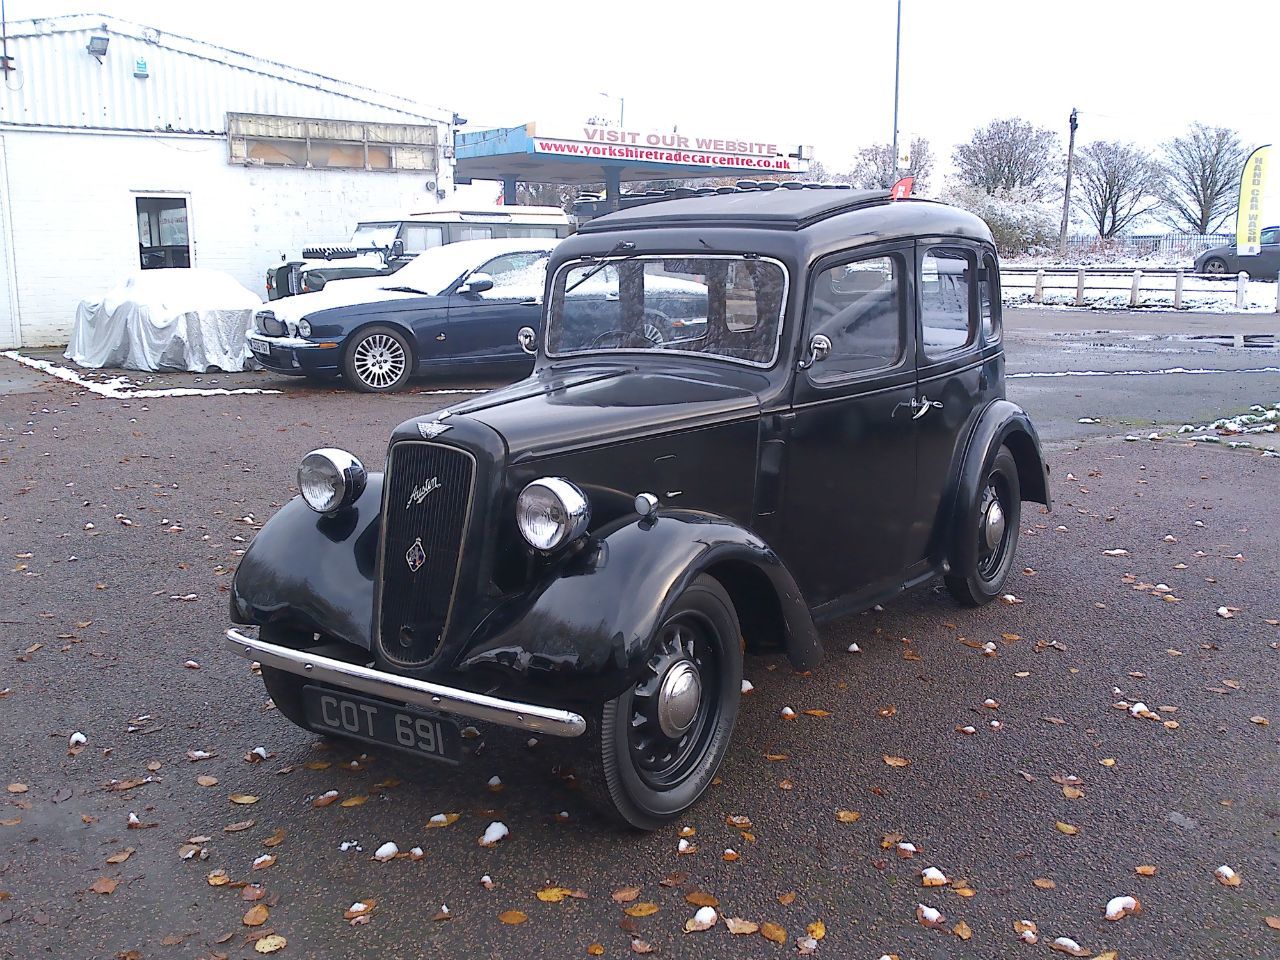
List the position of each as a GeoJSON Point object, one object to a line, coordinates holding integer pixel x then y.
{"type": "Point", "coordinates": [163, 239]}
{"type": "Point", "coordinates": [273, 141]}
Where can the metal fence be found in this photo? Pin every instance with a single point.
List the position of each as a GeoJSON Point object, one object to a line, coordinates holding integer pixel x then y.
{"type": "Point", "coordinates": [1142, 245]}
{"type": "Point", "coordinates": [1072, 284]}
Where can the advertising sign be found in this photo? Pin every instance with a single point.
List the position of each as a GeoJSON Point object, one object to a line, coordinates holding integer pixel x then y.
{"type": "Point", "coordinates": [613, 143]}
{"type": "Point", "coordinates": [1253, 191]}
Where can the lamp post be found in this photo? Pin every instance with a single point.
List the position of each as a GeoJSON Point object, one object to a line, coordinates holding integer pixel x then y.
{"type": "Point", "coordinates": [622, 107]}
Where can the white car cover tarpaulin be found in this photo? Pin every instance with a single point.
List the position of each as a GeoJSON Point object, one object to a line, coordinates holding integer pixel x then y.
{"type": "Point", "coordinates": [173, 319]}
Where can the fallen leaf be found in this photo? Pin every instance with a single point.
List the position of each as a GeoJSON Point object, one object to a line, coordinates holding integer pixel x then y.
{"type": "Point", "coordinates": [104, 885]}
{"type": "Point", "coordinates": [641, 946]}
{"type": "Point", "coordinates": [1072, 793]}
{"type": "Point", "coordinates": [553, 894]}
{"type": "Point", "coordinates": [218, 878]}
{"type": "Point", "coordinates": [238, 826]}
{"type": "Point", "coordinates": [817, 713]}
{"type": "Point", "coordinates": [848, 816]}
{"type": "Point", "coordinates": [1145, 870]}
{"type": "Point", "coordinates": [1272, 921]}
{"type": "Point", "coordinates": [625, 894]}
{"type": "Point", "coordinates": [1260, 721]}
{"type": "Point", "coordinates": [325, 798]}
{"type": "Point", "coordinates": [788, 898]}
{"type": "Point", "coordinates": [513, 917]}
{"type": "Point", "coordinates": [270, 943]}
{"type": "Point", "coordinates": [929, 917]}
{"type": "Point", "coordinates": [738, 822]}
{"type": "Point", "coordinates": [595, 950]}
{"type": "Point", "coordinates": [1067, 945]}
{"type": "Point", "coordinates": [256, 915]}
{"type": "Point", "coordinates": [643, 909]}
{"type": "Point", "coordinates": [443, 820]}
{"type": "Point", "coordinates": [357, 801]}
{"type": "Point", "coordinates": [207, 781]}
{"type": "Point", "coordinates": [264, 862]}
{"type": "Point", "coordinates": [700, 899]}
{"type": "Point", "coordinates": [737, 925]}
{"type": "Point", "coordinates": [962, 930]}
{"type": "Point", "coordinates": [1044, 883]}
{"type": "Point", "coordinates": [359, 909]}
{"type": "Point", "coordinates": [243, 798]}
{"type": "Point", "coordinates": [1066, 828]}
{"type": "Point", "coordinates": [1227, 877]}
{"type": "Point", "coordinates": [817, 930]}
{"type": "Point", "coordinates": [896, 761]}
{"type": "Point", "coordinates": [18, 788]}
{"type": "Point", "coordinates": [773, 932]}
{"type": "Point", "coordinates": [122, 856]}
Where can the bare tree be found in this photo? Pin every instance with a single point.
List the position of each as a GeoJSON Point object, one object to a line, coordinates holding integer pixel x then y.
{"type": "Point", "coordinates": [1010, 156]}
{"type": "Point", "coordinates": [876, 168]}
{"type": "Point", "coordinates": [1201, 178]}
{"type": "Point", "coordinates": [547, 194]}
{"type": "Point", "coordinates": [1118, 184]}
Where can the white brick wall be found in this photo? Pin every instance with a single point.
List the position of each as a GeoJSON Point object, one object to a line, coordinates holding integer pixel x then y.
{"type": "Point", "coordinates": [70, 198]}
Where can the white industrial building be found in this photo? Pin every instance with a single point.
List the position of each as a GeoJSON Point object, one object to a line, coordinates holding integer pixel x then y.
{"type": "Point", "coordinates": [124, 147]}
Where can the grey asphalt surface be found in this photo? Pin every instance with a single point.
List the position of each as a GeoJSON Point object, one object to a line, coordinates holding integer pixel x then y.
{"type": "Point", "coordinates": [982, 808]}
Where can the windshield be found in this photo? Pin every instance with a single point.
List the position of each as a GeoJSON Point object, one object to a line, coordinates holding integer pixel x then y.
{"type": "Point", "coordinates": [727, 307]}
{"type": "Point", "coordinates": [434, 270]}
{"type": "Point", "coordinates": [374, 234]}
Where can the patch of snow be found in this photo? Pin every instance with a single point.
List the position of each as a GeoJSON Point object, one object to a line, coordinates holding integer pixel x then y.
{"type": "Point", "coordinates": [932, 876]}
{"type": "Point", "coordinates": [112, 388]}
{"type": "Point", "coordinates": [1118, 907]}
{"type": "Point", "coordinates": [493, 833]}
{"type": "Point", "coordinates": [854, 648]}
{"type": "Point", "coordinates": [1224, 872]}
{"type": "Point", "coordinates": [77, 739]}
{"type": "Point", "coordinates": [386, 852]}
{"type": "Point", "coordinates": [747, 686]}
{"type": "Point", "coordinates": [788, 713]}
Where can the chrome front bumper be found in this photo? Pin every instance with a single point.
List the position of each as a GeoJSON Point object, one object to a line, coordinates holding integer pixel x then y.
{"type": "Point", "coordinates": [420, 693]}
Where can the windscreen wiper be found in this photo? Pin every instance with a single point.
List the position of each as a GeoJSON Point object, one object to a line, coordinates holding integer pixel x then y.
{"type": "Point", "coordinates": [618, 247]}
{"type": "Point", "coordinates": [423, 293]}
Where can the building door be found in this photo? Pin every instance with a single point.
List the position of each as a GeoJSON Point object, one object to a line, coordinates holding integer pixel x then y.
{"type": "Point", "coordinates": [163, 236]}
{"type": "Point", "coordinates": [8, 318]}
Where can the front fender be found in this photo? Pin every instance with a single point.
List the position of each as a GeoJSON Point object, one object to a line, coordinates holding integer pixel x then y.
{"type": "Point", "coordinates": [312, 572]}
{"type": "Point", "coordinates": [589, 625]}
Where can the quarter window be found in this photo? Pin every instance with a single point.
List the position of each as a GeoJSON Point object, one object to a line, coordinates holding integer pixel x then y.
{"type": "Point", "coordinates": [421, 236]}
{"type": "Point", "coordinates": [466, 232]}
{"type": "Point", "coordinates": [858, 305]}
{"type": "Point", "coordinates": [946, 321]}
{"type": "Point", "coordinates": [989, 298]}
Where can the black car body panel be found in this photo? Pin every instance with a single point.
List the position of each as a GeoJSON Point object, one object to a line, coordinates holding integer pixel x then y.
{"type": "Point", "coordinates": [805, 491]}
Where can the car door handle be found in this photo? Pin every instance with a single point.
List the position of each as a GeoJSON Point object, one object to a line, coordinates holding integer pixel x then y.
{"type": "Point", "coordinates": [923, 406]}
{"type": "Point", "coordinates": [440, 336]}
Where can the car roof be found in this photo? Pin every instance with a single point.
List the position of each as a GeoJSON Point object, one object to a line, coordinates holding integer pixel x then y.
{"type": "Point", "coordinates": [780, 208]}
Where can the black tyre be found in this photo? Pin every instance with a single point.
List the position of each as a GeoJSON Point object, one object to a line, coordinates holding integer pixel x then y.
{"type": "Point", "coordinates": [988, 538]}
{"type": "Point", "coordinates": [378, 360]}
{"type": "Point", "coordinates": [1215, 265]}
{"type": "Point", "coordinates": [655, 749]}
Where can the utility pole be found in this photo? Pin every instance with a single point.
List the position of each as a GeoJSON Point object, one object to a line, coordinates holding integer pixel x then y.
{"type": "Point", "coordinates": [1066, 196]}
{"type": "Point", "coordinates": [897, 62]}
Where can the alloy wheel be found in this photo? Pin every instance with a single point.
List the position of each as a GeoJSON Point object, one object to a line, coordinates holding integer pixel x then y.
{"type": "Point", "coordinates": [379, 360]}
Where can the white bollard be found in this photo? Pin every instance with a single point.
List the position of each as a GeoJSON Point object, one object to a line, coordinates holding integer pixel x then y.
{"type": "Point", "coordinates": [1133, 293]}
{"type": "Point", "coordinates": [1278, 293]}
{"type": "Point", "coordinates": [1038, 296]}
{"type": "Point", "coordinates": [1080, 287]}
{"type": "Point", "coordinates": [1242, 287]}
{"type": "Point", "coordinates": [1177, 291]}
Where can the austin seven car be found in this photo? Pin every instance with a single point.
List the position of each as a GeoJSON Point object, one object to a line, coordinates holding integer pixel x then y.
{"type": "Point", "coordinates": [590, 552]}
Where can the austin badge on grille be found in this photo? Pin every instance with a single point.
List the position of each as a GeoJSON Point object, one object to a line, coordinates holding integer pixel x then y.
{"type": "Point", "coordinates": [416, 556]}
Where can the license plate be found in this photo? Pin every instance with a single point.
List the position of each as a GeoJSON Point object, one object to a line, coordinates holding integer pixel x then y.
{"type": "Point", "coordinates": [380, 722]}
{"type": "Point", "coordinates": [260, 347]}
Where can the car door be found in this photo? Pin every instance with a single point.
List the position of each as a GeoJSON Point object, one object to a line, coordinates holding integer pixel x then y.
{"type": "Point", "coordinates": [483, 325]}
{"type": "Point", "coordinates": [955, 377]}
{"type": "Point", "coordinates": [1268, 259]}
{"type": "Point", "coordinates": [850, 451]}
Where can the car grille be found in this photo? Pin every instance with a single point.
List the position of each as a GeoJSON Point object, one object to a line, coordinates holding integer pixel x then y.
{"type": "Point", "coordinates": [424, 518]}
{"type": "Point", "coordinates": [267, 323]}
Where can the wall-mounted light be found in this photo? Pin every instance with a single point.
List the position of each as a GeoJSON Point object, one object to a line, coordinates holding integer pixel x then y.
{"type": "Point", "coordinates": [98, 47]}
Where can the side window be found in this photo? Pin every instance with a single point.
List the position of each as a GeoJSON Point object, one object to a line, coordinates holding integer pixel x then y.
{"type": "Point", "coordinates": [945, 321]}
{"type": "Point", "coordinates": [469, 232]}
{"type": "Point", "coordinates": [858, 305]}
{"type": "Point", "coordinates": [421, 236]}
{"type": "Point", "coordinates": [516, 276]}
{"type": "Point", "coordinates": [1271, 235]}
{"type": "Point", "coordinates": [989, 298]}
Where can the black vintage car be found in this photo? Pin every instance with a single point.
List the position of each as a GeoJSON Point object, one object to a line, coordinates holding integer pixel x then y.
{"type": "Point", "coordinates": [587, 553]}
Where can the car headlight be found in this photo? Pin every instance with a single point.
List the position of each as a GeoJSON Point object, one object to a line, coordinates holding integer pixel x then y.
{"type": "Point", "coordinates": [330, 479]}
{"type": "Point", "coordinates": [304, 328]}
{"type": "Point", "coordinates": [552, 512]}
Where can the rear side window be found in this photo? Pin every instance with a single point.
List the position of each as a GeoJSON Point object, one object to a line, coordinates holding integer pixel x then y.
{"type": "Point", "coordinates": [946, 321]}
{"type": "Point", "coordinates": [421, 236]}
{"type": "Point", "coordinates": [469, 232]}
{"type": "Point", "coordinates": [989, 298]}
{"type": "Point", "coordinates": [858, 306]}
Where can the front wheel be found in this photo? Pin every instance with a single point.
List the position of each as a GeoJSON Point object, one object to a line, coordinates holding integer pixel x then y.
{"type": "Point", "coordinates": [378, 360]}
{"type": "Point", "coordinates": [655, 748]}
{"type": "Point", "coordinates": [1215, 265]}
{"type": "Point", "coordinates": [988, 539]}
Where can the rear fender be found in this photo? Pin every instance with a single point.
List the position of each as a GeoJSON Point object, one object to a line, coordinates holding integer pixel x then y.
{"type": "Point", "coordinates": [589, 626]}
{"type": "Point", "coordinates": [313, 573]}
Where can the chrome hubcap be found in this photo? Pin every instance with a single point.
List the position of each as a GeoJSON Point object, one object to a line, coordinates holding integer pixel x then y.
{"type": "Point", "coordinates": [678, 697]}
{"type": "Point", "coordinates": [993, 525]}
{"type": "Point", "coordinates": [379, 360]}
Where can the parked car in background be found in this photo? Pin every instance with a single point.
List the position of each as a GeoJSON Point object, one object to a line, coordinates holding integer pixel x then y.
{"type": "Point", "coordinates": [586, 553]}
{"type": "Point", "coordinates": [379, 248]}
{"type": "Point", "coordinates": [453, 305]}
{"type": "Point", "coordinates": [1264, 265]}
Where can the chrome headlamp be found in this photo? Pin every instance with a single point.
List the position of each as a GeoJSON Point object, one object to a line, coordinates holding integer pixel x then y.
{"type": "Point", "coordinates": [330, 479]}
{"type": "Point", "coordinates": [552, 512]}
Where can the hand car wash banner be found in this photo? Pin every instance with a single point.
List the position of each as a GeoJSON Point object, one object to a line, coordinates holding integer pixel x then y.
{"type": "Point", "coordinates": [1255, 207]}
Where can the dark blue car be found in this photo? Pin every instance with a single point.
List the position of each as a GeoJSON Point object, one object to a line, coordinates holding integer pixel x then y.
{"type": "Point", "coordinates": [454, 305]}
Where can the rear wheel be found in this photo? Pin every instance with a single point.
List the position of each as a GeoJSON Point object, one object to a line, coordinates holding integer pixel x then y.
{"type": "Point", "coordinates": [1215, 265]}
{"type": "Point", "coordinates": [989, 535]}
{"type": "Point", "coordinates": [655, 748]}
{"type": "Point", "coordinates": [378, 360]}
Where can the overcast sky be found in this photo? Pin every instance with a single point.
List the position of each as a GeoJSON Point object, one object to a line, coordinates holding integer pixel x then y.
{"type": "Point", "coordinates": [816, 73]}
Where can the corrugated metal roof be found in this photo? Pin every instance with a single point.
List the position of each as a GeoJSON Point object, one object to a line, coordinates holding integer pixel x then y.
{"type": "Point", "coordinates": [191, 85]}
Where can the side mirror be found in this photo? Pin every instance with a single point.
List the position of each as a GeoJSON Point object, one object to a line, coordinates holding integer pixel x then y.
{"type": "Point", "coordinates": [528, 339]}
{"type": "Point", "coordinates": [819, 349]}
{"type": "Point", "coordinates": [477, 283]}
{"type": "Point", "coordinates": [397, 249]}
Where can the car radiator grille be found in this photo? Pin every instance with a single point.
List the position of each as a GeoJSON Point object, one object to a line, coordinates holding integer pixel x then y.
{"type": "Point", "coordinates": [424, 520]}
{"type": "Point", "coordinates": [268, 324]}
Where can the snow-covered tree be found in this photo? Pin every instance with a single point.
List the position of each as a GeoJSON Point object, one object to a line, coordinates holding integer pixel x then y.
{"type": "Point", "coordinates": [1011, 155]}
{"type": "Point", "coordinates": [1201, 178]}
{"type": "Point", "coordinates": [1019, 223]}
